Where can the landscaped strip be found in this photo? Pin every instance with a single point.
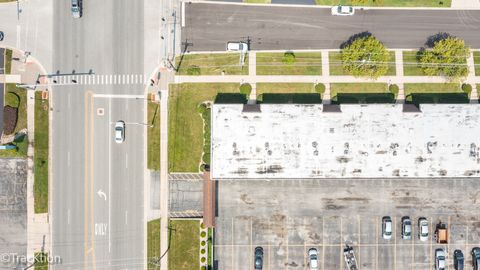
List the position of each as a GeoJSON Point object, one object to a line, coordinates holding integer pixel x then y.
{"type": "Point", "coordinates": [184, 251]}
{"type": "Point", "coordinates": [153, 133]}
{"type": "Point", "coordinates": [303, 63]}
{"type": "Point", "coordinates": [153, 244]}
{"type": "Point", "coordinates": [388, 3]}
{"type": "Point", "coordinates": [41, 261]}
{"type": "Point", "coordinates": [210, 248]}
{"type": "Point", "coordinates": [419, 93]}
{"type": "Point", "coordinates": [287, 92]}
{"type": "Point", "coordinates": [211, 64]}
{"type": "Point", "coordinates": [205, 111]}
{"type": "Point", "coordinates": [185, 125]}
{"type": "Point", "coordinates": [361, 93]}
{"type": "Point", "coordinates": [8, 61]}
{"type": "Point", "coordinates": [411, 65]}
{"type": "Point", "coordinates": [40, 162]}
{"type": "Point", "coordinates": [476, 60]}
{"type": "Point", "coordinates": [17, 98]}
{"type": "Point", "coordinates": [258, 1]}
{"type": "Point", "coordinates": [336, 67]}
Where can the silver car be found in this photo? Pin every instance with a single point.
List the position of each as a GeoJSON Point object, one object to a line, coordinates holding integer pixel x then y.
{"type": "Point", "coordinates": [406, 228]}
{"type": "Point", "coordinates": [423, 229]}
{"type": "Point", "coordinates": [343, 11]}
{"type": "Point", "coordinates": [439, 259]}
{"type": "Point", "coordinates": [313, 258]}
{"type": "Point", "coordinates": [387, 227]}
{"type": "Point", "coordinates": [120, 132]}
{"type": "Point", "coordinates": [237, 47]}
{"type": "Point", "coordinates": [76, 9]}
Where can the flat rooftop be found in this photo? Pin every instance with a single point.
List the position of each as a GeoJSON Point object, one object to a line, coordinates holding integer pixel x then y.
{"type": "Point", "coordinates": [285, 141]}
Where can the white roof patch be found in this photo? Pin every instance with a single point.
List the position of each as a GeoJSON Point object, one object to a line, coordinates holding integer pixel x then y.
{"type": "Point", "coordinates": [301, 141]}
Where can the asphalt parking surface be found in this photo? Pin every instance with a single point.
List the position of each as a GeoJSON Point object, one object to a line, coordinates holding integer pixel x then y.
{"type": "Point", "coordinates": [289, 217]}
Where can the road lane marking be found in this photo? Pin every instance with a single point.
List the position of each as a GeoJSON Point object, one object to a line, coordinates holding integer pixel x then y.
{"type": "Point", "coordinates": [68, 158]}
{"type": "Point", "coordinates": [68, 216]}
{"type": "Point", "coordinates": [126, 217]}
{"type": "Point", "coordinates": [109, 176]}
{"type": "Point", "coordinates": [118, 96]}
{"type": "Point", "coordinates": [19, 29]}
{"type": "Point", "coordinates": [126, 160]}
{"type": "Point", "coordinates": [86, 183]}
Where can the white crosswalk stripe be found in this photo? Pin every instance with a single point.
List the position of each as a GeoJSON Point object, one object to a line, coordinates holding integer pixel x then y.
{"type": "Point", "coordinates": [106, 79]}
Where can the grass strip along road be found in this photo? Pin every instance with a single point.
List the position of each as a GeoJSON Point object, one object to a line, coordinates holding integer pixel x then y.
{"type": "Point", "coordinates": [41, 154]}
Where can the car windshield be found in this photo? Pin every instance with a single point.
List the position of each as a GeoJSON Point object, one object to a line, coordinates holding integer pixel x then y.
{"type": "Point", "coordinates": [118, 129]}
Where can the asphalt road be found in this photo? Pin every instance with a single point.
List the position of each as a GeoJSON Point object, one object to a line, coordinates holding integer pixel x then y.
{"type": "Point", "coordinates": [210, 26]}
{"type": "Point", "coordinates": [97, 187]}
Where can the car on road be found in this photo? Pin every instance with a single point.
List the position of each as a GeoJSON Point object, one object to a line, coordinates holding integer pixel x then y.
{"type": "Point", "coordinates": [476, 258]}
{"type": "Point", "coordinates": [343, 11]}
{"type": "Point", "coordinates": [439, 259]}
{"type": "Point", "coordinates": [76, 8]}
{"type": "Point", "coordinates": [313, 258]}
{"type": "Point", "coordinates": [237, 47]}
{"type": "Point", "coordinates": [387, 227]}
{"type": "Point", "coordinates": [458, 260]}
{"type": "Point", "coordinates": [258, 258]}
{"type": "Point", "coordinates": [423, 229]}
{"type": "Point", "coordinates": [1, 35]}
{"type": "Point", "coordinates": [406, 228]}
{"type": "Point", "coordinates": [119, 131]}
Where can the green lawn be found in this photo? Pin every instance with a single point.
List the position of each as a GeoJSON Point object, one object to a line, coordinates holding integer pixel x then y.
{"type": "Point", "coordinates": [17, 97]}
{"type": "Point", "coordinates": [8, 60]}
{"type": "Point", "coordinates": [306, 63]}
{"type": "Point", "coordinates": [410, 64]}
{"type": "Point", "coordinates": [153, 244]}
{"type": "Point", "coordinates": [434, 93]}
{"type": "Point", "coordinates": [336, 68]}
{"type": "Point", "coordinates": [184, 245]}
{"type": "Point", "coordinates": [388, 3]}
{"type": "Point", "coordinates": [476, 58]}
{"type": "Point", "coordinates": [153, 133]}
{"type": "Point", "coordinates": [287, 92]}
{"type": "Point", "coordinates": [40, 186]}
{"type": "Point", "coordinates": [41, 261]}
{"type": "Point", "coordinates": [212, 64]}
{"type": "Point", "coordinates": [185, 126]}
{"type": "Point", "coordinates": [361, 93]}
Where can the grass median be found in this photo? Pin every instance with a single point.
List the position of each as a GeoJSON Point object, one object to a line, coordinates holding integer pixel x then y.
{"type": "Point", "coordinates": [185, 125]}
{"type": "Point", "coordinates": [153, 244]}
{"type": "Point", "coordinates": [336, 66]}
{"type": "Point", "coordinates": [211, 64]}
{"type": "Point", "coordinates": [17, 98]}
{"type": "Point", "coordinates": [184, 245]}
{"type": "Point", "coordinates": [40, 186]}
{"type": "Point", "coordinates": [8, 61]}
{"type": "Point", "coordinates": [476, 60]}
{"type": "Point", "coordinates": [305, 63]}
{"type": "Point", "coordinates": [388, 3]}
{"type": "Point", "coordinates": [153, 133]}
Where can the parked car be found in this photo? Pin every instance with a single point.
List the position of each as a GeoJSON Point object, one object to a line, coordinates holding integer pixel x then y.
{"type": "Point", "coordinates": [119, 131]}
{"type": "Point", "coordinates": [258, 258]}
{"type": "Point", "coordinates": [76, 8]}
{"type": "Point", "coordinates": [423, 229]}
{"type": "Point", "coordinates": [406, 228]}
{"type": "Point", "coordinates": [237, 47]}
{"type": "Point", "coordinates": [2, 35]}
{"type": "Point", "coordinates": [458, 260]}
{"type": "Point", "coordinates": [313, 258]}
{"type": "Point", "coordinates": [343, 11]}
{"type": "Point", "coordinates": [439, 259]}
{"type": "Point", "coordinates": [476, 258]}
{"type": "Point", "coordinates": [387, 227]}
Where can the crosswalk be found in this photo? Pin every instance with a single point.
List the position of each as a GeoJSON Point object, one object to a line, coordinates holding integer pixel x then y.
{"type": "Point", "coordinates": [94, 79]}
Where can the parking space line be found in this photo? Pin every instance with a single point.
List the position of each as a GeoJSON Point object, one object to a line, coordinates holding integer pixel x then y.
{"type": "Point", "coordinates": [251, 239]}
{"type": "Point", "coordinates": [341, 241]}
{"type": "Point", "coordinates": [449, 229]}
{"type": "Point", "coordinates": [305, 246]}
{"type": "Point", "coordinates": [431, 246]}
{"type": "Point", "coordinates": [376, 246]}
{"type": "Point", "coordinates": [359, 241]}
{"type": "Point", "coordinates": [323, 243]}
{"type": "Point", "coordinates": [286, 241]}
{"type": "Point", "coordinates": [413, 242]}
{"type": "Point", "coordinates": [268, 257]}
{"type": "Point", "coordinates": [233, 253]}
{"type": "Point", "coordinates": [395, 243]}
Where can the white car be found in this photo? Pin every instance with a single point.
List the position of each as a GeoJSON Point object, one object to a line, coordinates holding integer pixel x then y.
{"type": "Point", "coordinates": [387, 228]}
{"type": "Point", "coordinates": [439, 259]}
{"type": "Point", "coordinates": [237, 47]}
{"type": "Point", "coordinates": [423, 229]}
{"type": "Point", "coordinates": [119, 131]}
{"type": "Point", "coordinates": [313, 258]}
{"type": "Point", "coordinates": [343, 11]}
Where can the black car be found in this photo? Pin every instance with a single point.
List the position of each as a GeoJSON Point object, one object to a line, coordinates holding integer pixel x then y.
{"type": "Point", "coordinates": [258, 258]}
{"type": "Point", "coordinates": [1, 35]}
{"type": "Point", "coordinates": [458, 260]}
{"type": "Point", "coordinates": [476, 258]}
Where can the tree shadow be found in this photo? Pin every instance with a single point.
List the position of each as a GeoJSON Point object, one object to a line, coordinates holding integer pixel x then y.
{"type": "Point", "coordinates": [364, 98]}
{"type": "Point", "coordinates": [437, 98]}
{"type": "Point", "coordinates": [350, 40]}
{"type": "Point", "coordinates": [297, 98]}
{"type": "Point", "coordinates": [431, 40]}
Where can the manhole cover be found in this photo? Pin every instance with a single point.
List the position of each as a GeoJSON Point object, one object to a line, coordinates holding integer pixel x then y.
{"type": "Point", "coordinates": [100, 111]}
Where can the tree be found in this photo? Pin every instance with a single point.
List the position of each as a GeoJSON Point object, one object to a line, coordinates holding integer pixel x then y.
{"type": "Point", "coordinates": [448, 57]}
{"type": "Point", "coordinates": [365, 56]}
{"type": "Point", "coordinates": [288, 58]}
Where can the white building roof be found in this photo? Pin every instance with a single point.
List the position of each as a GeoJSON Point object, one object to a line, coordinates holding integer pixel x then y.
{"type": "Point", "coordinates": [366, 141]}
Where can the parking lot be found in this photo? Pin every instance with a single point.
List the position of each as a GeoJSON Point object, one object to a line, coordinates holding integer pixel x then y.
{"type": "Point", "coordinates": [289, 217]}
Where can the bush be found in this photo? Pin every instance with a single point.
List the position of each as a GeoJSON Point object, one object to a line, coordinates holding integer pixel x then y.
{"type": "Point", "coordinates": [467, 88]}
{"type": "Point", "coordinates": [246, 89]}
{"type": "Point", "coordinates": [203, 251]}
{"type": "Point", "coordinates": [288, 58]}
{"type": "Point", "coordinates": [203, 234]}
{"type": "Point", "coordinates": [202, 108]}
{"type": "Point", "coordinates": [193, 70]}
{"type": "Point", "coordinates": [393, 88]}
{"type": "Point", "coordinates": [203, 259]}
{"type": "Point", "coordinates": [203, 268]}
{"type": "Point", "coordinates": [204, 243]}
{"type": "Point", "coordinates": [320, 88]}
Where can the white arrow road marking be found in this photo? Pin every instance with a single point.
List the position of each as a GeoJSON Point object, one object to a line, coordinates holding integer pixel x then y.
{"type": "Point", "coordinates": [102, 194]}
